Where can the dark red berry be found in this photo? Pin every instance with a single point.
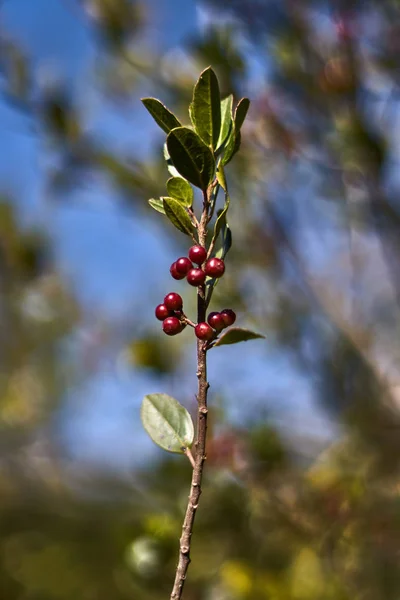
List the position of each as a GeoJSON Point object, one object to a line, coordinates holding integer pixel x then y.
{"type": "Point", "coordinates": [196, 277]}
{"type": "Point", "coordinates": [197, 254]}
{"type": "Point", "coordinates": [216, 320]}
{"type": "Point", "coordinates": [183, 265]}
{"type": "Point", "coordinates": [162, 312]}
{"type": "Point", "coordinates": [175, 273]}
{"type": "Point", "coordinates": [228, 316]}
{"type": "Point", "coordinates": [203, 331]}
{"type": "Point", "coordinates": [173, 301]}
{"type": "Point", "coordinates": [172, 326]}
{"type": "Point", "coordinates": [215, 267]}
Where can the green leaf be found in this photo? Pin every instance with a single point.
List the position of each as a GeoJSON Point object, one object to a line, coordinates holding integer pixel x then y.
{"type": "Point", "coordinates": [226, 120]}
{"type": "Point", "coordinates": [205, 109]}
{"type": "Point", "coordinates": [160, 113]}
{"type": "Point", "coordinates": [191, 157]}
{"type": "Point", "coordinates": [226, 243]}
{"type": "Point", "coordinates": [179, 189]}
{"type": "Point", "coordinates": [157, 204]}
{"type": "Point", "coordinates": [167, 422]}
{"type": "Point", "coordinates": [221, 177]}
{"type": "Point", "coordinates": [221, 219]}
{"type": "Point", "coordinates": [232, 146]}
{"type": "Point", "coordinates": [178, 216]}
{"type": "Point", "coordinates": [241, 112]}
{"type": "Point", "coordinates": [234, 335]}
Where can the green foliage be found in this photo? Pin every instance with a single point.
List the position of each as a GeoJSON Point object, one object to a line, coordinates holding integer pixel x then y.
{"type": "Point", "coordinates": [157, 204]}
{"type": "Point", "coordinates": [205, 109]}
{"type": "Point", "coordinates": [191, 157]}
{"type": "Point", "coordinates": [167, 422]}
{"type": "Point", "coordinates": [234, 335]}
{"type": "Point", "coordinates": [226, 120]}
{"type": "Point", "coordinates": [160, 113]}
{"type": "Point", "coordinates": [178, 216]}
{"type": "Point", "coordinates": [179, 189]}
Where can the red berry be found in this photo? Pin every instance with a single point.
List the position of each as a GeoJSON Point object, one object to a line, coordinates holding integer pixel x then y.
{"type": "Point", "coordinates": [183, 265]}
{"type": "Point", "coordinates": [216, 321]}
{"type": "Point", "coordinates": [203, 331]}
{"type": "Point", "coordinates": [173, 301]}
{"type": "Point", "coordinates": [197, 254]}
{"type": "Point", "coordinates": [175, 273]}
{"type": "Point", "coordinates": [162, 312]}
{"type": "Point", "coordinates": [228, 316]}
{"type": "Point", "coordinates": [215, 267]}
{"type": "Point", "coordinates": [172, 326]}
{"type": "Point", "coordinates": [196, 277]}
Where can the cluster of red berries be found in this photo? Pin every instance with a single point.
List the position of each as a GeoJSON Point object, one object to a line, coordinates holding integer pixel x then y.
{"type": "Point", "coordinates": [183, 267]}
{"type": "Point", "coordinates": [171, 311]}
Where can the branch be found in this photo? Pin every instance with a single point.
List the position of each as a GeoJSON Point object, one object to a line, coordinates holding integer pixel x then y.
{"type": "Point", "coordinates": [201, 432]}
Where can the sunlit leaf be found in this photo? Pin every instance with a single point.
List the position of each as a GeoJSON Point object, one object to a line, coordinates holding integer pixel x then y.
{"type": "Point", "coordinates": [234, 335]}
{"type": "Point", "coordinates": [226, 120]}
{"type": "Point", "coordinates": [160, 113]}
{"type": "Point", "coordinates": [205, 110]}
{"type": "Point", "coordinates": [157, 204]}
{"type": "Point", "coordinates": [241, 112]}
{"type": "Point", "coordinates": [167, 422]}
{"type": "Point", "coordinates": [179, 189]}
{"type": "Point", "coordinates": [191, 157]}
{"type": "Point", "coordinates": [178, 216]}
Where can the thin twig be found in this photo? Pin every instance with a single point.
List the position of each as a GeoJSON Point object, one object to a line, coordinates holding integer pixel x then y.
{"type": "Point", "coordinates": [201, 431]}
{"type": "Point", "coordinates": [189, 454]}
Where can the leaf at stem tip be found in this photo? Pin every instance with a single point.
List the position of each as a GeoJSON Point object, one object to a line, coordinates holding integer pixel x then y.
{"type": "Point", "coordinates": [178, 216]}
{"type": "Point", "coordinates": [157, 204]}
{"type": "Point", "coordinates": [160, 113]}
{"type": "Point", "coordinates": [226, 120]}
{"type": "Point", "coordinates": [181, 190]}
{"type": "Point", "coordinates": [167, 422]}
{"type": "Point", "coordinates": [191, 157]}
{"type": "Point", "coordinates": [234, 335]}
{"type": "Point", "coordinates": [205, 109]}
{"type": "Point", "coordinates": [241, 112]}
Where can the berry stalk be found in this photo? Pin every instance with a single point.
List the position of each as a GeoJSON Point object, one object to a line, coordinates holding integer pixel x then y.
{"type": "Point", "coordinates": [201, 429]}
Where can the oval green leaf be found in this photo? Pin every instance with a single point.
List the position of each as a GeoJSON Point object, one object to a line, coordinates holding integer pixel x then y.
{"type": "Point", "coordinates": [205, 109]}
{"type": "Point", "coordinates": [167, 422]}
{"type": "Point", "coordinates": [191, 157]}
{"type": "Point", "coordinates": [234, 335]}
{"type": "Point", "coordinates": [226, 120]}
{"type": "Point", "coordinates": [232, 146]}
{"type": "Point", "coordinates": [178, 216]}
{"type": "Point", "coordinates": [181, 190]}
{"type": "Point", "coordinates": [157, 204]}
{"type": "Point", "coordinates": [160, 113]}
{"type": "Point", "coordinates": [241, 112]}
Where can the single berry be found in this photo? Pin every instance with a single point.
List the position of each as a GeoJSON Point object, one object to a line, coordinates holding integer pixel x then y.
{"type": "Point", "coordinates": [197, 254]}
{"type": "Point", "coordinates": [215, 267]}
{"type": "Point", "coordinates": [175, 273]}
{"type": "Point", "coordinates": [203, 331]}
{"type": "Point", "coordinates": [196, 277]}
{"type": "Point", "coordinates": [173, 301]}
{"type": "Point", "coordinates": [183, 265]}
{"type": "Point", "coordinates": [228, 316]}
{"type": "Point", "coordinates": [172, 326]}
{"type": "Point", "coordinates": [216, 320]}
{"type": "Point", "coordinates": [162, 312]}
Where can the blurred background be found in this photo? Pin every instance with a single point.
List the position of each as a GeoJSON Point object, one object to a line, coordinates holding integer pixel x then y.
{"type": "Point", "coordinates": [302, 493]}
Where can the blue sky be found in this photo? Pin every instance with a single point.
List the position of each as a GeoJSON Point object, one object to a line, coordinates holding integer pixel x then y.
{"type": "Point", "coordinates": [99, 248]}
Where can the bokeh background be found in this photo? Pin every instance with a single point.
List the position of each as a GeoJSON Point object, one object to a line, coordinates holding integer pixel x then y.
{"type": "Point", "coordinates": [302, 493]}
